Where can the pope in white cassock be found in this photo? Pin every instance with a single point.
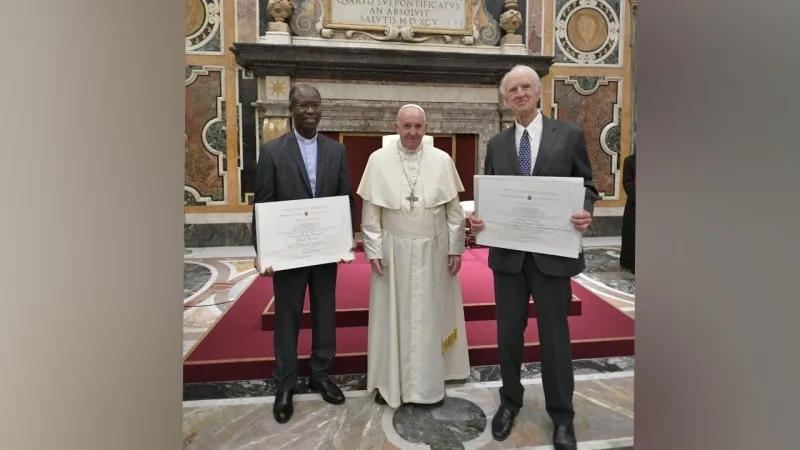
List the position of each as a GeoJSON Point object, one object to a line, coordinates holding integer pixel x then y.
{"type": "Point", "coordinates": [413, 227]}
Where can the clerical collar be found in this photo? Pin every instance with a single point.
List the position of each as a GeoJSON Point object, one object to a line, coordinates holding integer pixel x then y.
{"type": "Point", "coordinates": [409, 152]}
{"type": "Point", "coordinates": [305, 140]}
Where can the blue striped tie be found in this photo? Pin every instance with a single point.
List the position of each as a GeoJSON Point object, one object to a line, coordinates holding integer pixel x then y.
{"type": "Point", "coordinates": [525, 153]}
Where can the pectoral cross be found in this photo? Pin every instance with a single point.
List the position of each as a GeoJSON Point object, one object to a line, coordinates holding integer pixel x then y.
{"type": "Point", "coordinates": [411, 199]}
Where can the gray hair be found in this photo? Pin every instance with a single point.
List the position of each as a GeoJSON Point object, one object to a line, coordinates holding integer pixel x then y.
{"type": "Point", "coordinates": [411, 105]}
{"type": "Point", "coordinates": [528, 70]}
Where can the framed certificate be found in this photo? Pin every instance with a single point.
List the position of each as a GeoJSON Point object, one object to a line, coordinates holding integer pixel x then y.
{"type": "Point", "coordinates": [303, 233]}
{"type": "Point", "coordinates": [531, 214]}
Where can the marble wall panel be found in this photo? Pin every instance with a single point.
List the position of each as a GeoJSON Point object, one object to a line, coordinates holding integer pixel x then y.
{"type": "Point", "coordinates": [535, 26]}
{"type": "Point", "coordinates": [204, 27]}
{"type": "Point", "coordinates": [247, 14]}
{"type": "Point", "coordinates": [248, 133]}
{"type": "Point", "coordinates": [217, 234]}
{"type": "Point", "coordinates": [588, 33]}
{"type": "Point", "coordinates": [594, 103]}
{"type": "Point", "coordinates": [206, 162]}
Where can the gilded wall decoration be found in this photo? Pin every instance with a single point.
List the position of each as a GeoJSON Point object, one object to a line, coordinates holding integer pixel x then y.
{"type": "Point", "coordinates": [204, 27]}
{"type": "Point", "coordinates": [276, 89]}
{"type": "Point", "coordinates": [588, 32]}
{"type": "Point", "coordinates": [206, 162]}
{"type": "Point", "coordinates": [594, 103]}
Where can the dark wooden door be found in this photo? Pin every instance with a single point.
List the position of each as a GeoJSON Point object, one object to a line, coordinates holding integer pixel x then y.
{"type": "Point", "coordinates": [359, 147]}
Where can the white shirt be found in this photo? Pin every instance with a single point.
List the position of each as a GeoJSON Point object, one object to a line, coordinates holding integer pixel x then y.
{"type": "Point", "coordinates": [534, 134]}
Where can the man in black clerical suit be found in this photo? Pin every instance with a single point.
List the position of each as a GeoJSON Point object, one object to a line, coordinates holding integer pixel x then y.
{"type": "Point", "coordinates": [536, 146]}
{"type": "Point", "coordinates": [303, 164]}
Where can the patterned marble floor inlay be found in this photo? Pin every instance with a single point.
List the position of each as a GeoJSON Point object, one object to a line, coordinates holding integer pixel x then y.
{"type": "Point", "coordinates": [195, 276]}
{"type": "Point", "coordinates": [448, 426]}
{"type": "Point", "coordinates": [210, 288]}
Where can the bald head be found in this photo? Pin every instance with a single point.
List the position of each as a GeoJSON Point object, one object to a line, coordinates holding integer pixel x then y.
{"type": "Point", "coordinates": [302, 90]}
{"type": "Point", "coordinates": [411, 126]}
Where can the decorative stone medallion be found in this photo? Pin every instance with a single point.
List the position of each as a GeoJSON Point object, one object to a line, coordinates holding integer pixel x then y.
{"type": "Point", "coordinates": [587, 31]}
{"type": "Point", "coordinates": [451, 425]}
{"type": "Point", "coordinates": [196, 278]}
{"type": "Point", "coordinates": [203, 26]}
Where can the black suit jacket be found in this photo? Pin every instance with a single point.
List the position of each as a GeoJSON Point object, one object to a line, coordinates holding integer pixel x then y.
{"type": "Point", "coordinates": [628, 177]}
{"type": "Point", "coordinates": [562, 153]}
{"type": "Point", "coordinates": [281, 173]}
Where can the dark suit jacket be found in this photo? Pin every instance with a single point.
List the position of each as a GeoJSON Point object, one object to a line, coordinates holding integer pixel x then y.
{"type": "Point", "coordinates": [281, 173]}
{"type": "Point", "coordinates": [628, 177]}
{"type": "Point", "coordinates": [562, 153]}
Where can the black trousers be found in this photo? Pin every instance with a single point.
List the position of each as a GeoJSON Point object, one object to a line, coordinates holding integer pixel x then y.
{"type": "Point", "coordinates": [552, 296]}
{"type": "Point", "coordinates": [290, 289]}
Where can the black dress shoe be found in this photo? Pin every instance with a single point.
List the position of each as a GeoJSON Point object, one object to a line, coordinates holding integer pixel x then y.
{"type": "Point", "coordinates": [283, 408]}
{"type": "Point", "coordinates": [502, 423]}
{"type": "Point", "coordinates": [379, 398]}
{"type": "Point", "coordinates": [564, 438]}
{"type": "Point", "coordinates": [329, 391]}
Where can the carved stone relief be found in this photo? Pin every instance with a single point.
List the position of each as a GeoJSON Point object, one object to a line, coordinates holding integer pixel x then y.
{"type": "Point", "coordinates": [311, 18]}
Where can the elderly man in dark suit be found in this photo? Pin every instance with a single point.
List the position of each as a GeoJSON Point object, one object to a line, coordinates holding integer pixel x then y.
{"type": "Point", "coordinates": [303, 164]}
{"type": "Point", "coordinates": [536, 146]}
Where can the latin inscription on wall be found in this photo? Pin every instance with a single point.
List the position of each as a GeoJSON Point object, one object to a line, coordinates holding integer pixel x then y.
{"type": "Point", "coordinates": [450, 16]}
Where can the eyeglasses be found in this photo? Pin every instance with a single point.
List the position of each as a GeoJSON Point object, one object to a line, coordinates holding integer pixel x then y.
{"type": "Point", "coordinates": [306, 107]}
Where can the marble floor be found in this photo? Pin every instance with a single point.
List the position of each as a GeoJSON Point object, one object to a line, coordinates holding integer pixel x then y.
{"type": "Point", "coordinates": [603, 405]}
{"type": "Point", "coordinates": [238, 415]}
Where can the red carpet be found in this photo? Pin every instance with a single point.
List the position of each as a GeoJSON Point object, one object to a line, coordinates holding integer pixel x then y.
{"type": "Point", "coordinates": [239, 347]}
{"type": "Point", "coordinates": [352, 294]}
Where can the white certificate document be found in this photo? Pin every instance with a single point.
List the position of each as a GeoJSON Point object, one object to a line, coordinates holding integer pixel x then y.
{"type": "Point", "coordinates": [303, 233]}
{"type": "Point", "coordinates": [531, 214]}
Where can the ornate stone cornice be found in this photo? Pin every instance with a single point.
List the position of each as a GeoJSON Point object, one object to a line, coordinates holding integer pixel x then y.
{"type": "Point", "coordinates": [416, 66]}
